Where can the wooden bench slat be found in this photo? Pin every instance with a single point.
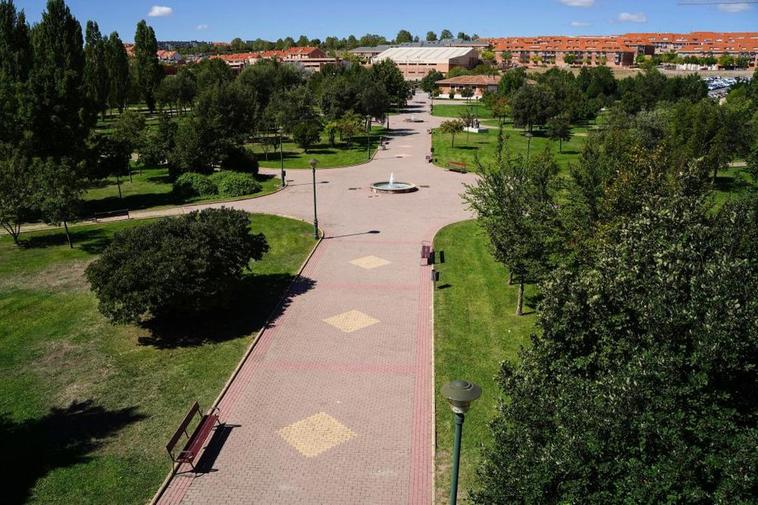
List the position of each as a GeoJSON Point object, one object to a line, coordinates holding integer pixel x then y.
{"type": "Point", "coordinates": [198, 438]}
{"type": "Point", "coordinates": [182, 430]}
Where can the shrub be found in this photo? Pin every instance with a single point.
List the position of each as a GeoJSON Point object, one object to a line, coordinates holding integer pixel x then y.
{"type": "Point", "coordinates": [240, 159]}
{"type": "Point", "coordinates": [192, 184]}
{"type": "Point", "coordinates": [235, 183]}
{"type": "Point", "coordinates": [175, 266]}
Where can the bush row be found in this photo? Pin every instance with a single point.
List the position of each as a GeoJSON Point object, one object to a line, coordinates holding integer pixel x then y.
{"type": "Point", "coordinates": [225, 183]}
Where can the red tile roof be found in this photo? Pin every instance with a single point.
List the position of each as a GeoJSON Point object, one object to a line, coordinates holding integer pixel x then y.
{"type": "Point", "coordinates": [472, 80]}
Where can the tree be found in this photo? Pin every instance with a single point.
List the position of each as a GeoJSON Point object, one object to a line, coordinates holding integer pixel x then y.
{"type": "Point", "coordinates": [403, 36]}
{"type": "Point", "coordinates": [467, 92]}
{"type": "Point", "coordinates": [515, 205]}
{"type": "Point", "coordinates": [349, 126]}
{"type": "Point", "coordinates": [117, 66]}
{"type": "Point", "coordinates": [429, 82]}
{"type": "Point", "coordinates": [156, 144]}
{"type": "Point", "coordinates": [387, 72]}
{"type": "Point", "coordinates": [96, 78]}
{"type": "Point", "coordinates": [61, 186]}
{"type": "Point", "coordinates": [61, 116]}
{"type": "Point", "coordinates": [147, 68]}
{"type": "Point", "coordinates": [452, 127]}
{"type": "Point", "coordinates": [374, 100]}
{"type": "Point", "coordinates": [569, 59]}
{"type": "Point", "coordinates": [190, 151]}
{"type": "Point", "coordinates": [128, 130]}
{"type": "Point", "coordinates": [199, 258]}
{"type": "Point", "coordinates": [532, 106]}
{"type": "Point", "coordinates": [506, 56]}
{"type": "Point", "coordinates": [18, 184]}
{"type": "Point", "coordinates": [512, 81]}
{"type": "Point", "coordinates": [620, 397]}
{"type": "Point", "coordinates": [446, 34]}
{"type": "Point", "coordinates": [15, 64]}
{"type": "Point", "coordinates": [307, 133]}
{"type": "Point", "coordinates": [114, 155]}
{"type": "Point", "coordinates": [559, 128]}
{"type": "Point", "coordinates": [431, 36]}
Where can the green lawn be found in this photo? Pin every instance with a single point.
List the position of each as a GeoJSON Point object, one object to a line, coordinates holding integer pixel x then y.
{"type": "Point", "coordinates": [732, 183]}
{"type": "Point", "coordinates": [453, 110]}
{"type": "Point", "coordinates": [150, 189]}
{"type": "Point", "coordinates": [87, 407]}
{"type": "Point", "coordinates": [342, 155]}
{"type": "Point", "coordinates": [475, 329]}
{"type": "Point", "coordinates": [472, 146]}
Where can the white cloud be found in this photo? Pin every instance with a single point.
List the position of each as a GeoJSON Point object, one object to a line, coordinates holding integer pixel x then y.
{"type": "Point", "coordinates": [632, 17]}
{"type": "Point", "coordinates": [157, 11]}
{"type": "Point", "coordinates": [578, 24]}
{"type": "Point", "coordinates": [201, 27]}
{"type": "Point", "coordinates": [578, 3]}
{"type": "Point", "coordinates": [738, 7]}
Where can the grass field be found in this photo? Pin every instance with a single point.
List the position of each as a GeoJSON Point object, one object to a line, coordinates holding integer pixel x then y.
{"type": "Point", "coordinates": [475, 329]}
{"type": "Point", "coordinates": [454, 110]}
{"type": "Point", "coordinates": [150, 189]}
{"type": "Point", "coordinates": [86, 407]}
{"type": "Point", "coordinates": [470, 147]}
{"type": "Point", "coordinates": [342, 155]}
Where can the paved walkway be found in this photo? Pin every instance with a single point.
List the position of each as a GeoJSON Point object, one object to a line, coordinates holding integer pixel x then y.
{"type": "Point", "coordinates": [335, 403]}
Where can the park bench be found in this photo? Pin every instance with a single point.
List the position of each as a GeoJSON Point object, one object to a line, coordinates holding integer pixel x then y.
{"type": "Point", "coordinates": [457, 166]}
{"type": "Point", "coordinates": [111, 213]}
{"type": "Point", "coordinates": [426, 252]}
{"type": "Point", "coordinates": [194, 442]}
{"type": "Point", "coordinates": [428, 158]}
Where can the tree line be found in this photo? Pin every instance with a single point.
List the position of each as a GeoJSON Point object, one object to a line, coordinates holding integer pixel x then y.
{"type": "Point", "coordinates": [56, 81]}
{"type": "Point", "coordinates": [635, 384]}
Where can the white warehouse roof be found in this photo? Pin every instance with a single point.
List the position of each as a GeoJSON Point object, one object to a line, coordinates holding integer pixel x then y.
{"type": "Point", "coordinates": [424, 54]}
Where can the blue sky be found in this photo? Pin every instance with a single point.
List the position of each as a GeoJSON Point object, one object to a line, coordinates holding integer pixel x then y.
{"type": "Point", "coordinates": [222, 20]}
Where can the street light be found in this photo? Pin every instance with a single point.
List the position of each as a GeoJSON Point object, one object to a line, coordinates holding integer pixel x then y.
{"type": "Point", "coordinates": [313, 163]}
{"type": "Point", "coordinates": [281, 156]}
{"type": "Point", "coordinates": [459, 395]}
{"type": "Point", "coordinates": [368, 137]}
{"type": "Point", "coordinates": [528, 145]}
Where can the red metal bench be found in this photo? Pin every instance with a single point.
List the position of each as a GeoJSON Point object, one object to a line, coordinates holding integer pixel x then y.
{"type": "Point", "coordinates": [457, 166]}
{"type": "Point", "coordinates": [197, 439]}
{"type": "Point", "coordinates": [426, 252]}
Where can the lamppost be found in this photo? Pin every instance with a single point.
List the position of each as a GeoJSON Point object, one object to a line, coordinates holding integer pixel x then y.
{"type": "Point", "coordinates": [459, 395]}
{"type": "Point", "coordinates": [528, 145]}
{"type": "Point", "coordinates": [368, 137]}
{"type": "Point", "coordinates": [313, 164]}
{"type": "Point", "coordinates": [281, 156]}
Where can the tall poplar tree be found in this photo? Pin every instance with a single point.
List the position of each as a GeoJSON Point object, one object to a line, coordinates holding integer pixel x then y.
{"type": "Point", "coordinates": [117, 64]}
{"type": "Point", "coordinates": [148, 69]}
{"type": "Point", "coordinates": [15, 62]}
{"type": "Point", "coordinates": [61, 119]}
{"type": "Point", "coordinates": [96, 78]}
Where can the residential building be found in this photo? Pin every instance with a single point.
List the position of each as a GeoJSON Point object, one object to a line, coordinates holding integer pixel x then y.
{"type": "Point", "coordinates": [308, 58]}
{"type": "Point", "coordinates": [478, 83]}
{"type": "Point", "coordinates": [169, 57]}
{"type": "Point", "coordinates": [416, 62]}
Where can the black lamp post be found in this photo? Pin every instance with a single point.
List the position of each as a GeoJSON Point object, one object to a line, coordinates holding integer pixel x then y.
{"type": "Point", "coordinates": [528, 145]}
{"type": "Point", "coordinates": [281, 157]}
{"type": "Point", "coordinates": [459, 395]}
{"type": "Point", "coordinates": [368, 137]}
{"type": "Point", "coordinates": [313, 163]}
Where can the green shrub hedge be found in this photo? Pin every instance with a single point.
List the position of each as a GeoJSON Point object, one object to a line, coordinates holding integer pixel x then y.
{"type": "Point", "coordinates": [235, 183]}
{"type": "Point", "coordinates": [192, 184]}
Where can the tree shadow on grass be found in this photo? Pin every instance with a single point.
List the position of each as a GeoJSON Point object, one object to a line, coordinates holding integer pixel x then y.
{"type": "Point", "coordinates": [250, 305]}
{"type": "Point", "coordinates": [64, 437]}
{"type": "Point", "coordinates": [91, 240]}
{"type": "Point", "coordinates": [131, 202]}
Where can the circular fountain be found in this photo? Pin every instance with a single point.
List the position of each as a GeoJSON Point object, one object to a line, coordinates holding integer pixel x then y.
{"type": "Point", "coordinates": [393, 186]}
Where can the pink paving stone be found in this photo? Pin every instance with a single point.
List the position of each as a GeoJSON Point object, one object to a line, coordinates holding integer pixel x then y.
{"type": "Point", "coordinates": [376, 381]}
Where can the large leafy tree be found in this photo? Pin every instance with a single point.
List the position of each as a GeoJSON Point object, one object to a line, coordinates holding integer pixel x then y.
{"type": "Point", "coordinates": [15, 63]}
{"type": "Point", "coordinates": [147, 67]}
{"type": "Point", "coordinates": [532, 106]}
{"type": "Point", "coordinates": [199, 258]}
{"type": "Point", "coordinates": [515, 204]}
{"type": "Point", "coordinates": [403, 36]}
{"type": "Point", "coordinates": [61, 186]}
{"type": "Point", "coordinates": [96, 76]}
{"type": "Point", "coordinates": [429, 82]}
{"type": "Point", "coordinates": [61, 117]}
{"type": "Point", "coordinates": [18, 183]}
{"type": "Point", "coordinates": [640, 386]}
{"type": "Point", "coordinates": [387, 72]}
{"type": "Point", "coordinates": [117, 66]}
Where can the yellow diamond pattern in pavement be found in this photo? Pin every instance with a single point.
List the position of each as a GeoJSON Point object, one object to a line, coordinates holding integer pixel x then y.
{"type": "Point", "coordinates": [370, 262]}
{"type": "Point", "coordinates": [351, 321]}
{"type": "Point", "coordinates": [316, 434]}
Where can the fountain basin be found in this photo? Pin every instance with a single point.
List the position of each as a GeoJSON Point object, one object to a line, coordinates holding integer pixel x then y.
{"type": "Point", "coordinates": [393, 187]}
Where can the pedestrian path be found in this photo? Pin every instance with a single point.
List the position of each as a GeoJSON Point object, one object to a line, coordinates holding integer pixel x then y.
{"type": "Point", "coordinates": [335, 403]}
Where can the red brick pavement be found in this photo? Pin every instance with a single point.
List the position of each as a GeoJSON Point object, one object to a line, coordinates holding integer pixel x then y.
{"type": "Point", "coordinates": [320, 415]}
